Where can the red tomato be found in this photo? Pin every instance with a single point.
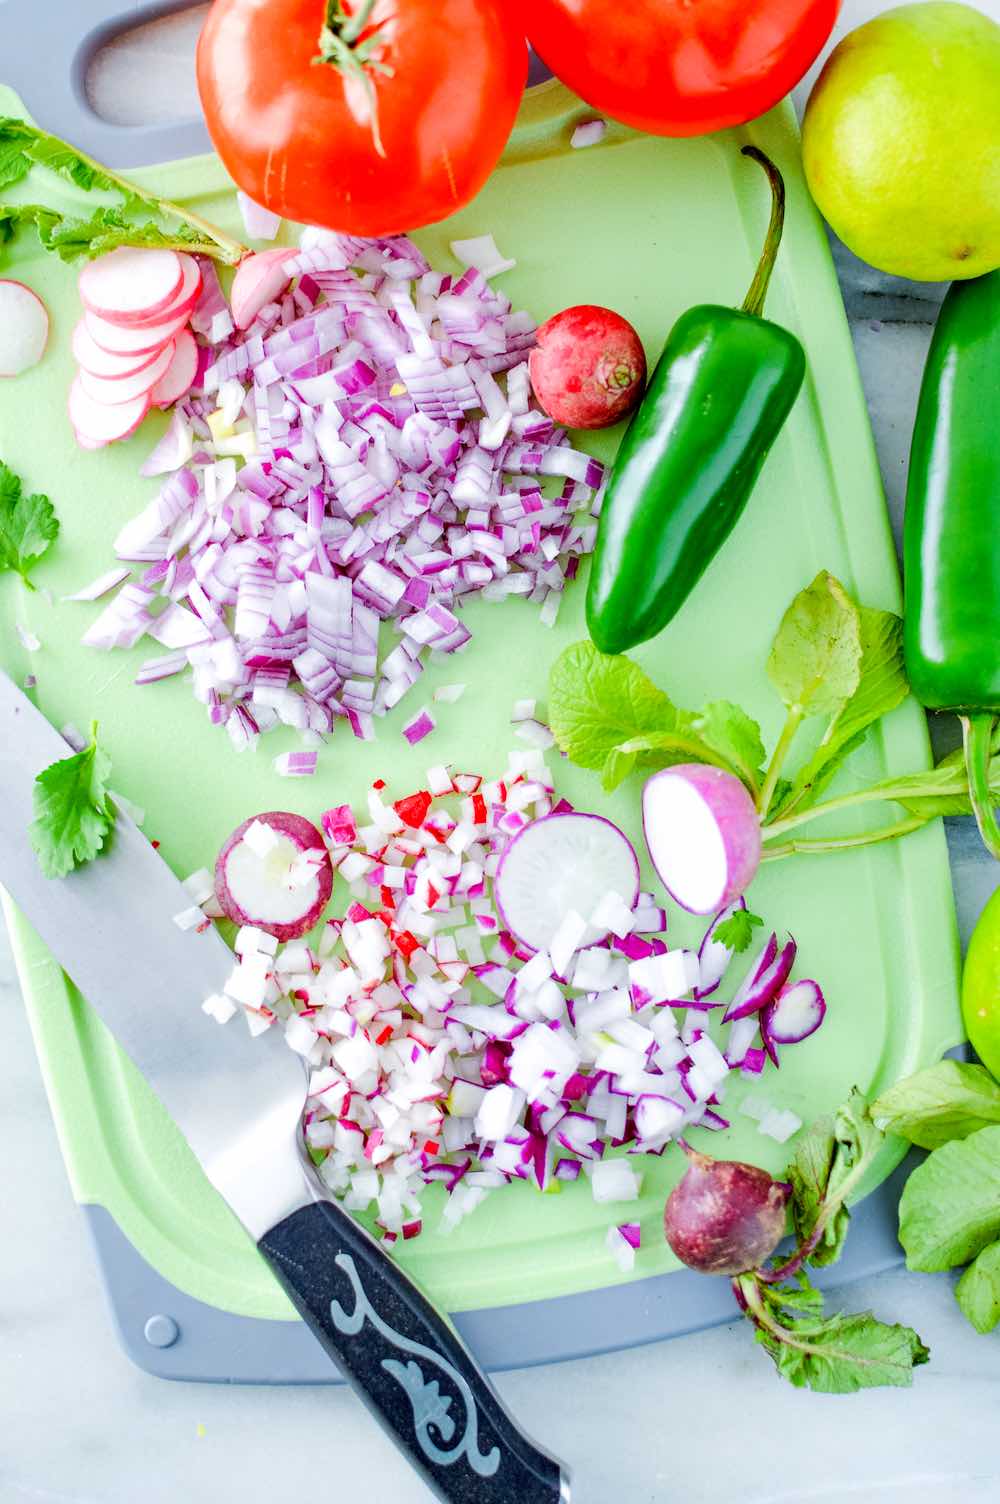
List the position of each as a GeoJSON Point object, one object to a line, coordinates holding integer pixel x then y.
{"type": "Point", "coordinates": [680, 67]}
{"type": "Point", "coordinates": [298, 136]}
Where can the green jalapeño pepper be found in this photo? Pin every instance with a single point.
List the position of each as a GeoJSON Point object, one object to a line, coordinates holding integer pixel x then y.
{"type": "Point", "coordinates": [951, 535]}
{"type": "Point", "coordinates": [715, 403]}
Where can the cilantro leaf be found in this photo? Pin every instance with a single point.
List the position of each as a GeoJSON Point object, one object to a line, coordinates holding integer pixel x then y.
{"type": "Point", "coordinates": [815, 660]}
{"type": "Point", "coordinates": [950, 1207]}
{"type": "Point", "coordinates": [729, 731]}
{"type": "Point", "coordinates": [882, 685]}
{"type": "Point", "coordinates": [737, 930]}
{"type": "Point", "coordinates": [28, 525]}
{"type": "Point", "coordinates": [947, 1101]}
{"type": "Point", "coordinates": [842, 1354]}
{"type": "Point", "coordinates": [978, 1291]}
{"type": "Point", "coordinates": [73, 813]}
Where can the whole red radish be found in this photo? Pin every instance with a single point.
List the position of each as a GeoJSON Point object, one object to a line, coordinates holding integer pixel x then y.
{"type": "Point", "coordinates": [588, 368]}
{"type": "Point", "coordinates": [724, 1217]}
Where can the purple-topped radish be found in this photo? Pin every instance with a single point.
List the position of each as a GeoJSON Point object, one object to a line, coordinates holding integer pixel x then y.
{"type": "Point", "coordinates": [561, 865]}
{"type": "Point", "coordinates": [274, 872]}
{"type": "Point", "coordinates": [703, 835]}
{"type": "Point", "coordinates": [724, 1217]}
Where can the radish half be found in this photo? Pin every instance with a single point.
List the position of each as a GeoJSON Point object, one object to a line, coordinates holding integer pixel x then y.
{"type": "Point", "coordinates": [274, 872]}
{"type": "Point", "coordinates": [135, 339]}
{"type": "Point", "coordinates": [118, 389]}
{"type": "Point", "coordinates": [98, 423]}
{"type": "Point", "coordinates": [562, 863]}
{"type": "Point", "coordinates": [24, 328]}
{"type": "Point", "coordinates": [703, 835]}
{"type": "Point", "coordinates": [131, 285]}
{"type": "Point", "coordinates": [259, 280]}
{"type": "Point", "coordinates": [180, 373]}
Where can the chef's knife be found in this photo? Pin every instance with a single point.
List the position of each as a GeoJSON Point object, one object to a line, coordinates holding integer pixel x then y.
{"type": "Point", "coordinates": [238, 1101]}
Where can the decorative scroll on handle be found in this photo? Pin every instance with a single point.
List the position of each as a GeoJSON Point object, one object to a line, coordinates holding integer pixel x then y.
{"type": "Point", "coordinates": [430, 1406]}
{"type": "Point", "coordinates": [407, 1364]}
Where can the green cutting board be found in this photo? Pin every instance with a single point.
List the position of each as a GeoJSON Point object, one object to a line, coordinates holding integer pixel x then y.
{"type": "Point", "coordinates": [647, 226]}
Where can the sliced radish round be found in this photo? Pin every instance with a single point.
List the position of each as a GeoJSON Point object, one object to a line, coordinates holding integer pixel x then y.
{"type": "Point", "coordinates": [101, 423]}
{"type": "Point", "coordinates": [274, 872]}
{"type": "Point", "coordinates": [177, 378]}
{"type": "Point", "coordinates": [703, 835]}
{"type": "Point", "coordinates": [127, 388]}
{"type": "Point", "coordinates": [259, 280]}
{"type": "Point", "coordinates": [136, 339]}
{"type": "Point", "coordinates": [187, 295]}
{"type": "Point", "coordinates": [796, 1012]}
{"type": "Point", "coordinates": [89, 355]}
{"type": "Point", "coordinates": [131, 285]}
{"type": "Point", "coordinates": [558, 864]}
{"type": "Point", "coordinates": [24, 328]}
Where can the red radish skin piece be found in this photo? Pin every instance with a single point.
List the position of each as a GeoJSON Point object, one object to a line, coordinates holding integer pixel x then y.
{"type": "Point", "coordinates": [177, 378]}
{"type": "Point", "coordinates": [131, 285]}
{"type": "Point", "coordinates": [24, 328]}
{"type": "Point", "coordinates": [588, 367]}
{"type": "Point", "coordinates": [116, 339]}
{"type": "Point", "coordinates": [254, 889]}
{"type": "Point", "coordinates": [259, 280]}
{"type": "Point", "coordinates": [185, 300]}
{"type": "Point", "coordinates": [724, 1217]}
{"type": "Point", "coordinates": [127, 388]}
{"type": "Point", "coordinates": [101, 363]}
{"type": "Point", "coordinates": [703, 835]}
{"type": "Point", "coordinates": [797, 1011]}
{"type": "Point", "coordinates": [101, 423]}
{"type": "Point", "coordinates": [559, 863]}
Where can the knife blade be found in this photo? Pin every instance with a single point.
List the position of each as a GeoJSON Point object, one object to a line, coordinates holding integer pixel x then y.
{"type": "Point", "coordinates": [238, 1101]}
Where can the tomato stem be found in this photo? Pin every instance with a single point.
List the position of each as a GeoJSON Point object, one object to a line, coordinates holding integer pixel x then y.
{"type": "Point", "coordinates": [348, 44]}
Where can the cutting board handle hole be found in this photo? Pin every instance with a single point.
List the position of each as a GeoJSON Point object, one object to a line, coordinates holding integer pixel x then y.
{"type": "Point", "coordinates": [116, 63]}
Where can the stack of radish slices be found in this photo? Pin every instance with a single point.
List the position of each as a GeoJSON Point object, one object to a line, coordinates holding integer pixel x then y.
{"type": "Point", "coordinates": [132, 344]}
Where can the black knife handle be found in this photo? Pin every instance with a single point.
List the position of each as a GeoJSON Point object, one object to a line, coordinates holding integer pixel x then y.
{"type": "Point", "coordinates": [406, 1363]}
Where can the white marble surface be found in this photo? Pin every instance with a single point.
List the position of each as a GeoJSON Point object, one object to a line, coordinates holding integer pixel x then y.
{"type": "Point", "coordinates": [685, 1422]}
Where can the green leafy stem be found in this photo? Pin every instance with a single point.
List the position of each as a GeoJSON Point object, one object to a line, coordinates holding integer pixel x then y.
{"type": "Point", "coordinates": [831, 659]}
{"type": "Point", "coordinates": [163, 224]}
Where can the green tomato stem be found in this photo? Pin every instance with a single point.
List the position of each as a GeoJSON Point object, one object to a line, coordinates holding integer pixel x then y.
{"type": "Point", "coordinates": [792, 723]}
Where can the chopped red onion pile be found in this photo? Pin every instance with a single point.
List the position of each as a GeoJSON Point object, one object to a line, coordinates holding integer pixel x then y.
{"type": "Point", "coordinates": [348, 459]}
{"type": "Point", "coordinates": [442, 1050]}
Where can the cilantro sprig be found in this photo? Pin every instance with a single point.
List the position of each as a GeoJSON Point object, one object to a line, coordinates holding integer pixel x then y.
{"type": "Point", "coordinates": [28, 526]}
{"type": "Point", "coordinates": [831, 1354]}
{"type": "Point", "coordinates": [142, 218]}
{"type": "Point", "coordinates": [832, 660]}
{"type": "Point", "coordinates": [74, 814]}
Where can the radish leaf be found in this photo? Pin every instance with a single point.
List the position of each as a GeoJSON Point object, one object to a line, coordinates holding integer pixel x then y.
{"type": "Point", "coordinates": [598, 702]}
{"type": "Point", "coordinates": [736, 736]}
{"type": "Point", "coordinates": [978, 1291]}
{"type": "Point", "coordinates": [842, 1354]}
{"type": "Point", "coordinates": [947, 1101]}
{"type": "Point", "coordinates": [950, 1207]}
{"type": "Point", "coordinates": [815, 661]}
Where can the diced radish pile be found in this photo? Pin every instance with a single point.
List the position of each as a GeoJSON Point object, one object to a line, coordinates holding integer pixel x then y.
{"type": "Point", "coordinates": [131, 344]}
{"type": "Point", "coordinates": [443, 1049]}
{"type": "Point", "coordinates": [346, 458]}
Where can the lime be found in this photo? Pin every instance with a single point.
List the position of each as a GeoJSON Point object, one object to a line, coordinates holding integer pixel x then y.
{"type": "Point", "coordinates": [981, 987]}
